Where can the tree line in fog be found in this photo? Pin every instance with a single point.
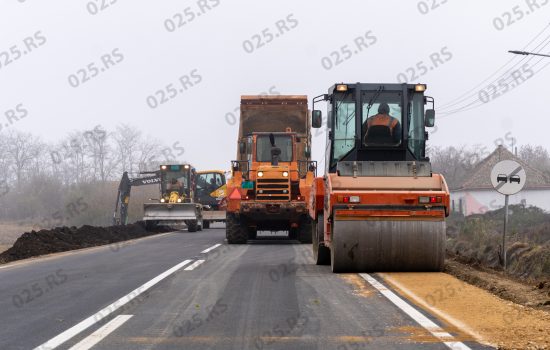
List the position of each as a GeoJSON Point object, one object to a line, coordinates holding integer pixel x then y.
{"type": "Point", "coordinates": [43, 182]}
{"type": "Point", "coordinates": [456, 163]}
{"type": "Point", "coordinates": [37, 176]}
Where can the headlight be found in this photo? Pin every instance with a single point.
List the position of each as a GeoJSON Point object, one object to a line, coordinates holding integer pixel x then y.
{"type": "Point", "coordinates": [285, 173]}
{"type": "Point", "coordinates": [260, 173]}
{"type": "Point", "coordinates": [420, 87]}
{"type": "Point", "coordinates": [179, 200]}
{"type": "Point", "coordinates": [162, 200]}
{"type": "Point", "coordinates": [341, 87]}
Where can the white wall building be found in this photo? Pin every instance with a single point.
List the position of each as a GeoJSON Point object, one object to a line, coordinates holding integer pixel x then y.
{"type": "Point", "coordinates": [476, 194]}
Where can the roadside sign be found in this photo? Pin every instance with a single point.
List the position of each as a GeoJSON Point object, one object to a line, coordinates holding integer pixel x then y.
{"type": "Point", "coordinates": [508, 177]}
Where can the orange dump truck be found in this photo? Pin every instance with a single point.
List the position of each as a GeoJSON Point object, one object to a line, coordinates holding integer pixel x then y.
{"type": "Point", "coordinates": [272, 177]}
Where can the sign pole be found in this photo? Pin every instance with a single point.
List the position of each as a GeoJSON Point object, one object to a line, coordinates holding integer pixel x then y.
{"type": "Point", "coordinates": [507, 177]}
{"type": "Point", "coordinates": [504, 234]}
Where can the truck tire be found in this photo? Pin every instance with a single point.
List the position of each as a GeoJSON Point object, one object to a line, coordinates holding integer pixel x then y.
{"type": "Point", "coordinates": [321, 254]}
{"type": "Point", "coordinates": [235, 231]}
{"type": "Point", "coordinates": [305, 230]}
{"type": "Point", "coordinates": [192, 226]}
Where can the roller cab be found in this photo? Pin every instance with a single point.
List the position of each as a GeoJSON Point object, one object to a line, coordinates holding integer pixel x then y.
{"type": "Point", "coordinates": [379, 207]}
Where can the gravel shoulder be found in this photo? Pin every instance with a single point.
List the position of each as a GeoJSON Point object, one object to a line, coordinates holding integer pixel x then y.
{"type": "Point", "coordinates": [473, 313]}
{"type": "Point", "coordinates": [534, 294]}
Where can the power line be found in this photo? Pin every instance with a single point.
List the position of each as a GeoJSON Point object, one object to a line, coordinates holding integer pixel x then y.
{"type": "Point", "coordinates": [507, 77]}
{"type": "Point", "coordinates": [464, 95]}
{"type": "Point", "coordinates": [472, 105]}
{"type": "Point", "coordinates": [521, 62]}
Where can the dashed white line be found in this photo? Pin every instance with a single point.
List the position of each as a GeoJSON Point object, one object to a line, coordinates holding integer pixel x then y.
{"type": "Point", "coordinates": [194, 265]}
{"type": "Point", "coordinates": [211, 248]}
{"type": "Point", "coordinates": [101, 333]}
{"type": "Point", "coordinates": [422, 320]}
{"type": "Point", "coordinates": [90, 321]}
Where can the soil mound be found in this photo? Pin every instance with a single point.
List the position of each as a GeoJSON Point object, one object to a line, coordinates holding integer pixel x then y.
{"type": "Point", "coordinates": [61, 239]}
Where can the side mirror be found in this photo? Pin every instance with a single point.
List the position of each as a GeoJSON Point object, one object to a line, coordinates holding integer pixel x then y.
{"type": "Point", "coordinates": [317, 119]}
{"type": "Point", "coordinates": [242, 147]}
{"type": "Point", "coordinates": [430, 118]}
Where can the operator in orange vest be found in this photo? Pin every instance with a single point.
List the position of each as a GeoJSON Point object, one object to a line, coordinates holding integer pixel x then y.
{"type": "Point", "coordinates": [382, 128]}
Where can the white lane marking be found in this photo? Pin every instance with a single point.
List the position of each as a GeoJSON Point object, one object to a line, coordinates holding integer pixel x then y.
{"type": "Point", "coordinates": [211, 248]}
{"type": "Point", "coordinates": [101, 333]}
{"type": "Point", "coordinates": [193, 265]}
{"type": "Point", "coordinates": [422, 320]}
{"type": "Point", "coordinates": [106, 311]}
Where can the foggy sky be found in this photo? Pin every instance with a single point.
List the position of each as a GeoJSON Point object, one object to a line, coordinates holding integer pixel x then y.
{"type": "Point", "coordinates": [209, 49]}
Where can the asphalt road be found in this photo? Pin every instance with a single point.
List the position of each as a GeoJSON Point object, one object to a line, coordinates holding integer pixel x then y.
{"type": "Point", "coordinates": [166, 292]}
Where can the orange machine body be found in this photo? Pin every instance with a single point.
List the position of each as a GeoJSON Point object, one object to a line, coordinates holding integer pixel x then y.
{"type": "Point", "coordinates": [379, 199]}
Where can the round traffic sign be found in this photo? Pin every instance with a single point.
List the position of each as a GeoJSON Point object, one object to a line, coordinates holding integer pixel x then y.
{"type": "Point", "coordinates": [508, 177]}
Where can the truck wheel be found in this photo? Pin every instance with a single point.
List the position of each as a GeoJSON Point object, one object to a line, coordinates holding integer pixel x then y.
{"type": "Point", "coordinates": [192, 226]}
{"type": "Point", "coordinates": [305, 230]}
{"type": "Point", "coordinates": [321, 254]}
{"type": "Point", "coordinates": [235, 231]}
{"type": "Point", "coordinates": [206, 224]}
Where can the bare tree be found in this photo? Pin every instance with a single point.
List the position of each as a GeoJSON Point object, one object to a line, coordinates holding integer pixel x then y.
{"type": "Point", "coordinates": [536, 156]}
{"type": "Point", "coordinates": [149, 151]}
{"type": "Point", "coordinates": [100, 152]}
{"type": "Point", "coordinates": [127, 139]}
{"type": "Point", "coordinates": [454, 162]}
{"type": "Point", "coordinates": [22, 149]}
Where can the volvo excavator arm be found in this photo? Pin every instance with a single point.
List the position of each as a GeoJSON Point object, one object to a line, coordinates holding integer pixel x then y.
{"type": "Point", "coordinates": [120, 215]}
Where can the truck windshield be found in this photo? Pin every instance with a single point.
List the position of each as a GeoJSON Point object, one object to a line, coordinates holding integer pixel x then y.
{"type": "Point", "coordinates": [209, 182]}
{"type": "Point", "coordinates": [263, 148]}
{"type": "Point", "coordinates": [174, 181]}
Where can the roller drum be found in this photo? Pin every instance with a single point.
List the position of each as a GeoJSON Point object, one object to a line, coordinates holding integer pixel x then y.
{"type": "Point", "coordinates": [378, 246]}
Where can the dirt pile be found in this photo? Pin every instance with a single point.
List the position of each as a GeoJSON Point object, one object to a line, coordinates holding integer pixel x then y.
{"type": "Point", "coordinates": [61, 239]}
{"type": "Point", "coordinates": [532, 294]}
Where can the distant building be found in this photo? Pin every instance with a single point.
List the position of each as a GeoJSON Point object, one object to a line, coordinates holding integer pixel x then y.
{"type": "Point", "coordinates": [476, 194]}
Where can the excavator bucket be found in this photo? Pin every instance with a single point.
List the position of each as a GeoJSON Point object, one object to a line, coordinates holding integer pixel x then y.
{"type": "Point", "coordinates": [171, 212]}
{"type": "Point", "coordinates": [392, 245]}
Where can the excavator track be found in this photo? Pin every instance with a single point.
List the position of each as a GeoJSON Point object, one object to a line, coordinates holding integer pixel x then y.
{"type": "Point", "coordinates": [386, 245]}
